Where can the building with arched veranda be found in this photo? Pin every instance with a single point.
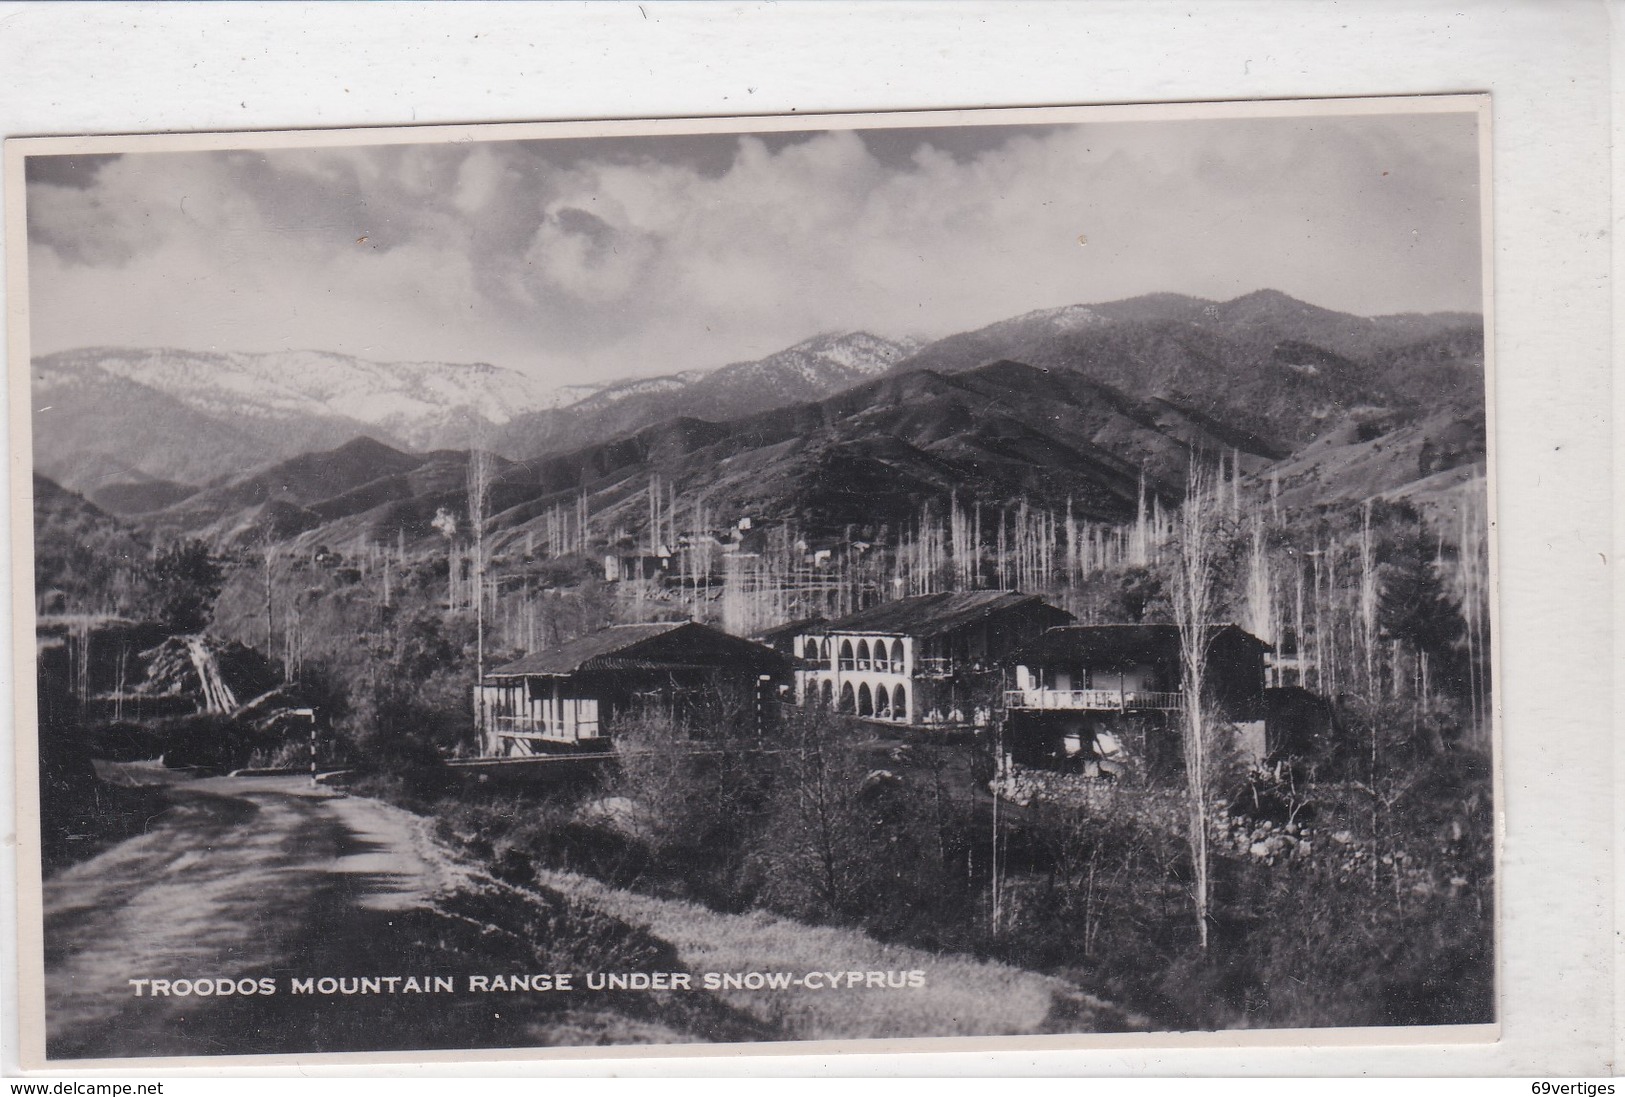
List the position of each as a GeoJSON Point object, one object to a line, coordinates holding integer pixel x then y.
{"type": "Point", "coordinates": [929, 661]}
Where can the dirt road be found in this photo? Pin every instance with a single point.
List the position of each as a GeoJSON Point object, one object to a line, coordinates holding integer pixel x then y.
{"type": "Point", "coordinates": [265, 878]}
{"type": "Point", "coordinates": [249, 878]}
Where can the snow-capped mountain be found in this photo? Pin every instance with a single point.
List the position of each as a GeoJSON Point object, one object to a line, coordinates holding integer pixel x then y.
{"type": "Point", "coordinates": [831, 359]}
{"type": "Point", "coordinates": [192, 416]}
{"type": "Point", "coordinates": [810, 370]}
{"type": "Point", "coordinates": [1078, 401]}
{"type": "Point", "coordinates": [419, 403]}
{"type": "Point", "coordinates": [633, 387]}
{"type": "Point", "coordinates": [1067, 318]}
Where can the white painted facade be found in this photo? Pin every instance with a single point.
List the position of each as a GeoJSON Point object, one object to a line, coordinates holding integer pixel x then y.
{"type": "Point", "coordinates": [866, 674]}
{"type": "Point", "coordinates": [519, 712]}
{"type": "Point", "coordinates": [1090, 689]}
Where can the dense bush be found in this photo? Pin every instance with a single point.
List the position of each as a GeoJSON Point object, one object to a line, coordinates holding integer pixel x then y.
{"type": "Point", "coordinates": [186, 580]}
{"type": "Point", "coordinates": [201, 740]}
{"type": "Point", "coordinates": [1353, 918]}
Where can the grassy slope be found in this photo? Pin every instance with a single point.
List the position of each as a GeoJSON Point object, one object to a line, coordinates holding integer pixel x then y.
{"type": "Point", "coordinates": [961, 996]}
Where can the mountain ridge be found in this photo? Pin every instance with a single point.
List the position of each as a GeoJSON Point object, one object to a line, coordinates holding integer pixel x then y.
{"type": "Point", "coordinates": [236, 410]}
{"type": "Point", "coordinates": [1068, 407]}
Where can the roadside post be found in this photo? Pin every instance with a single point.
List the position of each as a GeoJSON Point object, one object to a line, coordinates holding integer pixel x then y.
{"type": "Point", "coordinates": [764, 686]}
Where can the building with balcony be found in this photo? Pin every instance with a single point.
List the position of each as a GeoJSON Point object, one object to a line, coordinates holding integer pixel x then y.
{"type": "Point", "coordinates": [1105, 698]}
{"type": "Point", "coordinates": [786, 638]}
{"type": "Point", "coordinates": [569, 697]}
{"type": "Point", "coordinates": [934, 660]}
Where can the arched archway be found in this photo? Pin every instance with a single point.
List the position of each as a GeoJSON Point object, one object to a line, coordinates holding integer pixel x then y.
{"type": "Point", "coordinates": [897, 656]}
{"type": "Point", "coordinates": [848, 700]}
{"type": "Point", "coordinates": [882, 703]}
{"type": "Point", "coordinates": [823, 655]}
{"type": "Point", "coordinates": [846, 655]}
{"type": "Point", "coordinates": [863, 655]}
{"type": "Point", "coordinates": [809, 649]}
{"type": "Point", "coordinates": [826, 694]}
{"type": "Point", "coordinates": [899, 703]}
{"type": "Point", "coordinates": [866, 701]}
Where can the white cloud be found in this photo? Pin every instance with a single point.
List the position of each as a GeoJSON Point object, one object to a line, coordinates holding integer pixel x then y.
{"type": "Point", "coordinates": [616, 262]}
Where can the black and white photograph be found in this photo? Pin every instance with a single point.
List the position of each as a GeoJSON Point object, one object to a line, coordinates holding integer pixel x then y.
{"type": "Point", "coordinates": [1008, 573]}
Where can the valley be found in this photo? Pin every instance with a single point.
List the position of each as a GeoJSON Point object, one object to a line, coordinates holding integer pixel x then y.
{"type": "Point", "coordinates": [1069, 410]}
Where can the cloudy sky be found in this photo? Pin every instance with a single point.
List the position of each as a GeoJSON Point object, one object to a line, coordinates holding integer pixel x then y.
{"type": "Point", "coordinates": [585, 259]}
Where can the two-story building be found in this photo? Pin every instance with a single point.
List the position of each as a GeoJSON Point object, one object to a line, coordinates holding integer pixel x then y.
{"type": "Point", "coordinates": [930, 660]}
{"type": "Point", "coordinates": [569, 697]}
{"type": "Point", "coordinates": [1095, 697]}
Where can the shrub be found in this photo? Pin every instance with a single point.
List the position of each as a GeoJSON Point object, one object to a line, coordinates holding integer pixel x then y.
{"type": "Point", "coordinates": [186, 581]}
{"type": "Point", "coordinates": [199, 740]}
{"type": "Point", "coordinates": [1349, 921]}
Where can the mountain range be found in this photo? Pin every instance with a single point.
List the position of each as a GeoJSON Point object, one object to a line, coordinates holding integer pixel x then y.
{"type": "Point", "coordinates": [809, 370]}
{"type": "Point", "coordinates": [145, 423]}
{"type": "Point", "coordinates": [1071, 407]}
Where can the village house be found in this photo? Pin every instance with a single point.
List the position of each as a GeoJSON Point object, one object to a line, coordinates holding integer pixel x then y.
{"type": "Point", "coordinates": [623, 566]}
{"type": "Point", "coordinates": [786, 638]}
{"type": "Point", "coordinates": [1100, 699]}
{"type": "Point", "coordinates": [931, 660]}
{"type": "Point", "coordinates": [569, 697]}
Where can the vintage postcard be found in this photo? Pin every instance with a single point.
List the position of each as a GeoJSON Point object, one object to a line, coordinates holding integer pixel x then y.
{"type": "Point", "coordinates": [756, 582]}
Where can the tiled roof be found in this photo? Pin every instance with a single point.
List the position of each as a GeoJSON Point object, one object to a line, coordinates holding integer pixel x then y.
{"type": "Point", "coordinates": [935, 614]}
{"type": "Point", "coordinates": [572, 655]}
{"type": "Point", "coordinates": [790, 629]}
{"type": "Point", "coordinates": [1085, 642]}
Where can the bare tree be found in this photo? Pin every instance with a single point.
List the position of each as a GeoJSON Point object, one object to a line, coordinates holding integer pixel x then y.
{"type": "Point", "coordinates": [1194, 582]}
{"type": "Point", "coordinates": [446, 523]}
{"type": "Point", "coordinates": [479, 491]}
{"type": "Point", "coordinates": [817, 850]}
{"type": "Point", "coordinates": [268, 548]}
{"type": "Point", "coordinates": [1260, 592]}
{"type": "Point", "coordinates": [1370, 594]}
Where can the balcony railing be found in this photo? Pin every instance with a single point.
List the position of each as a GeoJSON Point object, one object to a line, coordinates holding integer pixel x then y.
{"type": "Point", "coordinates": [523, 727]}
{"type": "Point", "coordinates": [943, 667]}
{"type": "Point", "coordinates": [1097, 700]}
